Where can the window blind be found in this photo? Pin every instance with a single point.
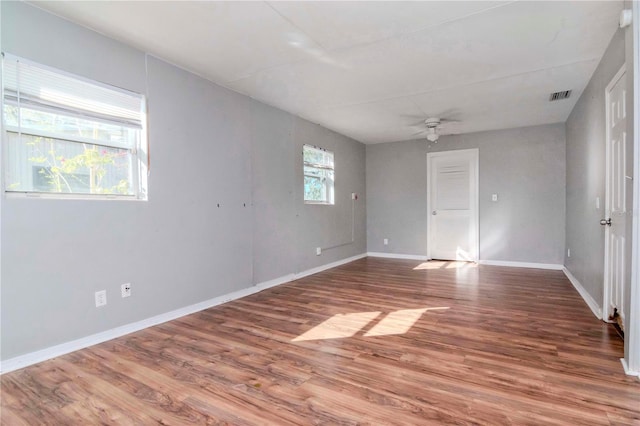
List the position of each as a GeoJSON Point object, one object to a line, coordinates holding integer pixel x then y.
{"type": "Point", "coordinates": [67, 134]}
{"type": "Point", "coordinates": [35, 86]}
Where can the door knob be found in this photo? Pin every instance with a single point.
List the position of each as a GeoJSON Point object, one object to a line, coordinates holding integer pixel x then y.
{"type": "Point", "coordinates": [434, 212]}
{"type": "Point", "coordinates": [605, 222]}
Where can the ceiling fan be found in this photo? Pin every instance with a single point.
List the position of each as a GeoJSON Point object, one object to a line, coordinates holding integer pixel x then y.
{"type": "Point", "coordinates": [432, 126]}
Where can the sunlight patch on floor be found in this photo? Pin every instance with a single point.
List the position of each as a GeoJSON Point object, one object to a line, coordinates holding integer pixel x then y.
{"type": "Point", "coordinates": [341, 326]}
{"type": "Point", "coordinates": [398, 322]}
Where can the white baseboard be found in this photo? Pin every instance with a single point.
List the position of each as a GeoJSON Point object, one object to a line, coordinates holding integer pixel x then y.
{"type": "Point", "coordinates": [627, 371]}
{"type": "Point", "coordinates": [84, 342]}
{"type": "Point", "coordinates": [328, 266]}
{"type": "Point", "coordinates": [295, 276]}
{"type": "Point", "coordinates": [276, 282]}
{"type": "Point", "coordinates": [397, 256]}
{"type": "Point", "coordinates": [593, 305]}
{"type": "Point", "coordinates": [31, 358]}
{"type": "Point", "coordinates": [553, 266]}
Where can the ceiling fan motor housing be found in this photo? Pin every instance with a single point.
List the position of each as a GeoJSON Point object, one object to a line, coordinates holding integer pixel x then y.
{"type": "Point", "coordinates": [432, 122]}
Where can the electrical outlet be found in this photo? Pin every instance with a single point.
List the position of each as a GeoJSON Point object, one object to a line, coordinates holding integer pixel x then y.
{"type": "Point", "coordinates": [125, 289]}
{"type": "Point", "coordinates": [101, 298]}
{"type": "Point", "coordinates": [318, 251]}
{"type": "Point", "coordinates": [354, 196]}
{"type": "Point", "coordinates": [386, 241]}
{"type": "Point", "coordinates": [494, 197]}
{"type": "Point", "coordinates": [568, 252]}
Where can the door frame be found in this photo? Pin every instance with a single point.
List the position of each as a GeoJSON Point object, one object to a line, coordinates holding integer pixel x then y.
{"type": "Point", "coordinates": [631, 361]}
{"type": "Point", "coordinates": [475, 204]}
{"type": "Point", "coordinates": [607, 202]}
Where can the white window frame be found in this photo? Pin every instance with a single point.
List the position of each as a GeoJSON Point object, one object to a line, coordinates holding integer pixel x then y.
{"type": "Point", "coordinates": [138, 153]}
{"type": "Point", "coordinates": [329, 184]}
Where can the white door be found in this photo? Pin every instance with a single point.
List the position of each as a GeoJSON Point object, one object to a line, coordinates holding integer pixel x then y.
{"type": "Point", "coordinates": [615, 204]}
{"type": "Point", "coordinates": [452, 198]}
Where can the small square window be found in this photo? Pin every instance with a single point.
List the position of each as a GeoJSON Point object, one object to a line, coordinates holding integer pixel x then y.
{"type": "Point", "coordinates": [318, 175]}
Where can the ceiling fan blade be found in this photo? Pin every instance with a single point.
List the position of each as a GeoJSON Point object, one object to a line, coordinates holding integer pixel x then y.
{"type": "Point", "coordinates": [419, 124]}
{"type": "Point", "coordinates": [451, 113]}
{"type": "Point", "coordinates": [412, 116]}
{"type": "Point", "coordinates": [412, 120]}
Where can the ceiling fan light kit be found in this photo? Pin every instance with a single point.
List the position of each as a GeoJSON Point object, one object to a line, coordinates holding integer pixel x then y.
{"type": "Point", "coordinates": [433, 135]}
{"type": "Point", "coordinates": [432, 124]}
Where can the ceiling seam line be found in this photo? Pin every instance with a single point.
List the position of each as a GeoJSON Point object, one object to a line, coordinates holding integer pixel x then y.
{"type": "Point", "coordinates": [428, 27]}
{"type": "Point", "coordinates": [296, 26]}
{"type": "Point", "coordinates": [461, 85]}
{"type": "Point", "coordinates": [358, 45]}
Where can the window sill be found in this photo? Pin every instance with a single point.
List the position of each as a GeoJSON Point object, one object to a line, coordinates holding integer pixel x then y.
{"type": "Point", "coordinates": [319, 203]}
{"type": "Point", "coordinates": [50, 196]}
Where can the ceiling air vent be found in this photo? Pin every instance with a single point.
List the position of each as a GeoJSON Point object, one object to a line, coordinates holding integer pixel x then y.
{"type": "Point", "coordinates": [557, 96]}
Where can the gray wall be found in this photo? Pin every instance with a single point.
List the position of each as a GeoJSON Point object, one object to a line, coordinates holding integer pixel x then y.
{"type": "Point", "coordinates": [209, 146]}
{"type": "Point", "coordinates": [586, 138]}
{"type": "Point", "coordinates": [397, 197]}
{"type": "Point", "coordinates": [525, 167]}
{"type": "Point", "coordinates": [286, 231]}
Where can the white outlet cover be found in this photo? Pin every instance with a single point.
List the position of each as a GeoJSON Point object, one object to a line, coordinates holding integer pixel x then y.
{"type": "Point", "coordinates": [318, 251]}
{"type": "Point", "coordinates": [386, 241]}
{"type": "Point", "coordinates": [125, 289]}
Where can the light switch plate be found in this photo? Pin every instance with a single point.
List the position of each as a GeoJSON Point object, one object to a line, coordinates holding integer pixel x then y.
{"type": "Point", "coordinates": [101, 298]}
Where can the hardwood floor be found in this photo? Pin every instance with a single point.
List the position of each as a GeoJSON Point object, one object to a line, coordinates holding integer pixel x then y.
{"type": "Point", "coordinates": [376, 341]}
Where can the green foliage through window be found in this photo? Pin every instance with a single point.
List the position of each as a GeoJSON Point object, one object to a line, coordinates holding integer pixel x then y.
{"type": "Point", "coordinates": [68, 135]}
{"type": "Point", "coordinates": [318, 170]}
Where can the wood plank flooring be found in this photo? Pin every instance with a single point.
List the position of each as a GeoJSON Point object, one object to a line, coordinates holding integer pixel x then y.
{"type": "Point", "coordinates": [376, 341]}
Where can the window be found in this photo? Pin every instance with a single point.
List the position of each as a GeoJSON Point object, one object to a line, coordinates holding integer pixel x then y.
{"type": "Point", "coordinates": [67, 136]}
{"type": "Point", "coordinates": [318, 175]}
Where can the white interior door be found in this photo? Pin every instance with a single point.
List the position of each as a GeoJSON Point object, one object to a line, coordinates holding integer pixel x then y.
{"type": "Point", "coordinates": [453, 205]}
{"type": "Point", "coordinates": [615, 204]}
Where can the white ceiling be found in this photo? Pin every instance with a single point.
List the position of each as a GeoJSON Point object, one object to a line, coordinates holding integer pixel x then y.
{"type": "Point", "coordinates": [374, 70]}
